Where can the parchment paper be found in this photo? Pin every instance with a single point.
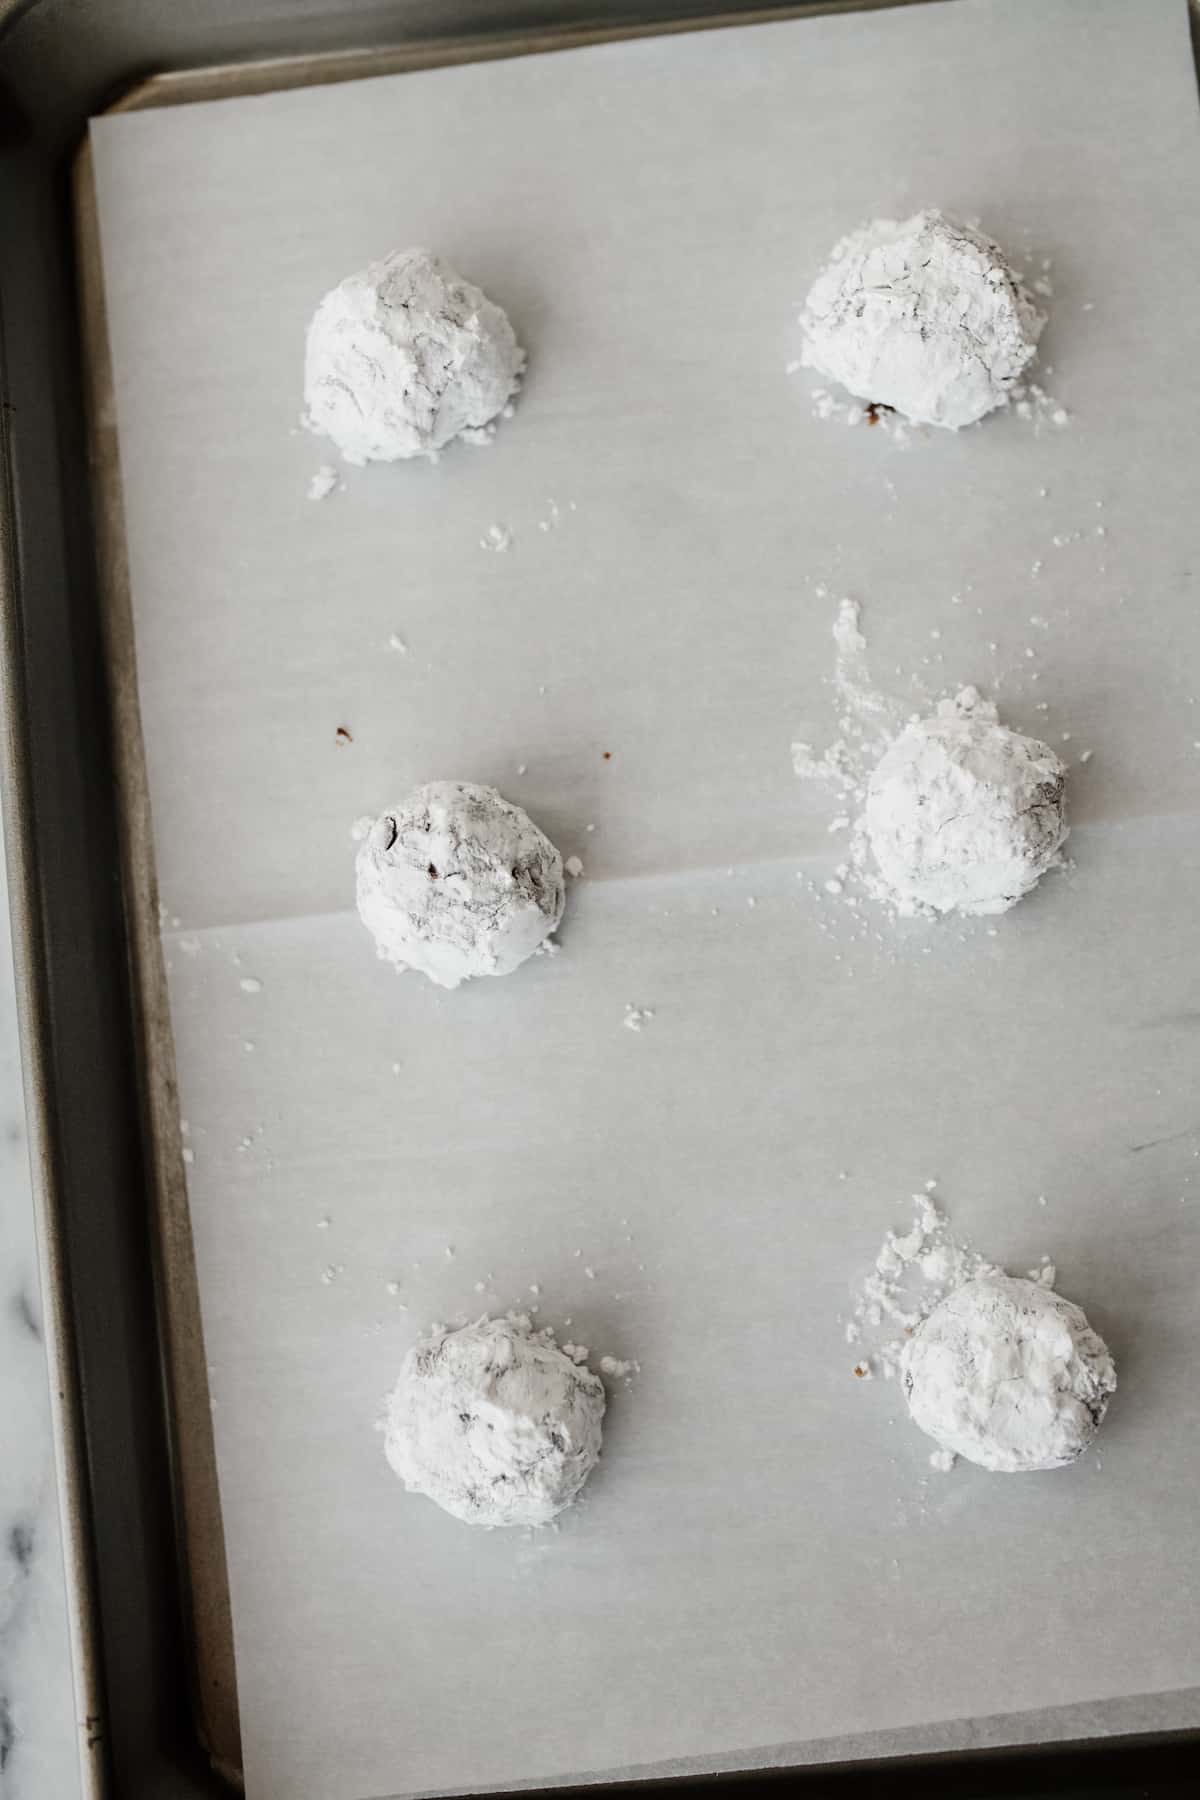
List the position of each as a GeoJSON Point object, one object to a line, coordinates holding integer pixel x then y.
{"type": "Point", "coordinates": [765, 1567]}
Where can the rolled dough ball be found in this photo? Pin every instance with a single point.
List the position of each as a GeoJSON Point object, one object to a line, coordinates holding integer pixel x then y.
{"type": "Point", "coordinates": [923, 315]}
{"type": "Point", "coordinates": [1009, 1375]}
{"type": "Point", "coordinates": [457, 882]}
{"type": "Point", "coordinates": [962, 814]}
{"type": "Point", "coordinates": [495, 1423]}
{"type": "Point", "coordinates": [404, 356]}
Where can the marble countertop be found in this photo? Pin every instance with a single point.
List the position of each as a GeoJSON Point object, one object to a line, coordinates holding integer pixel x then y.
{"type": "Point", "coordinates": [38, 1758]}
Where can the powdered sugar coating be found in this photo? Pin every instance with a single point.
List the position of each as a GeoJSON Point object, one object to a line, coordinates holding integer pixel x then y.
{"type": "Point", "coordinates": [1009, 1375]}
{"type": "Point", "coordinates": [963, 814]}
{"type": "Point", "coordinates": [495, 1423]}
{"type": "Point", "coordinates": [405, 355]}
{"type": "Point", "coordinates": [457, 882]}
{"type": "Point", "coordinates": [923, 315]}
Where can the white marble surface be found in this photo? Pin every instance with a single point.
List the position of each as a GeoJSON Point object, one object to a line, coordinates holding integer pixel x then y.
{"type": "Point", "coordinates": [38, 1759]}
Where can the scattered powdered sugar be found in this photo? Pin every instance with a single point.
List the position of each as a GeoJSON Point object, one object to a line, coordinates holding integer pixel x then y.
{"type": "Point", "coordinates": [1032, 403]}
{"type": "Point", "coordinates": [953, 812]}
{"type": "Point", "coordinates": [869, 719]}
{"type": "Point", "coordinates": [323, 482]}
{"type": "Point", "coordinates": [637, 1017]}
{"type": "Point", "coordinates": [496, 537]}
{"type": "Point", "coordinates": [924, 315]}
{"type": "Point", "coordinates": [912, 1272]}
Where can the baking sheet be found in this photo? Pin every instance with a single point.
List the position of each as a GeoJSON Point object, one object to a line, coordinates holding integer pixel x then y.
{"type": "Point", "coordinates": [764, 1559]}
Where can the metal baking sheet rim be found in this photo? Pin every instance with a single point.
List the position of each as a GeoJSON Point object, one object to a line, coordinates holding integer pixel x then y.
{"type": "Point", "coordinates": [198, 1516]}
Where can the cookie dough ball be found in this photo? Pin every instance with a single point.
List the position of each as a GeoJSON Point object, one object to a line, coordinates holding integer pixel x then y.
{"type": "Point", "coordinates": [962, 814]}
{"type": "Point", "coordinates": [404, 356]}
{"type": "Point", "coordinates": [495, 1423]}
{"type": "Point", "coordinates": [457, 882]}
{"type": "Point", "coordinates": [923, 315]}
{"type": "Point", "coordinates": [1008, 1375]}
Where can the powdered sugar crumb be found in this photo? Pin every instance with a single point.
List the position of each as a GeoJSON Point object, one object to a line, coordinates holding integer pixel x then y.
{"type": "Point", "coordinates": [912, 1272]}
{"type": "Point", "coordinates": [324, 482]}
